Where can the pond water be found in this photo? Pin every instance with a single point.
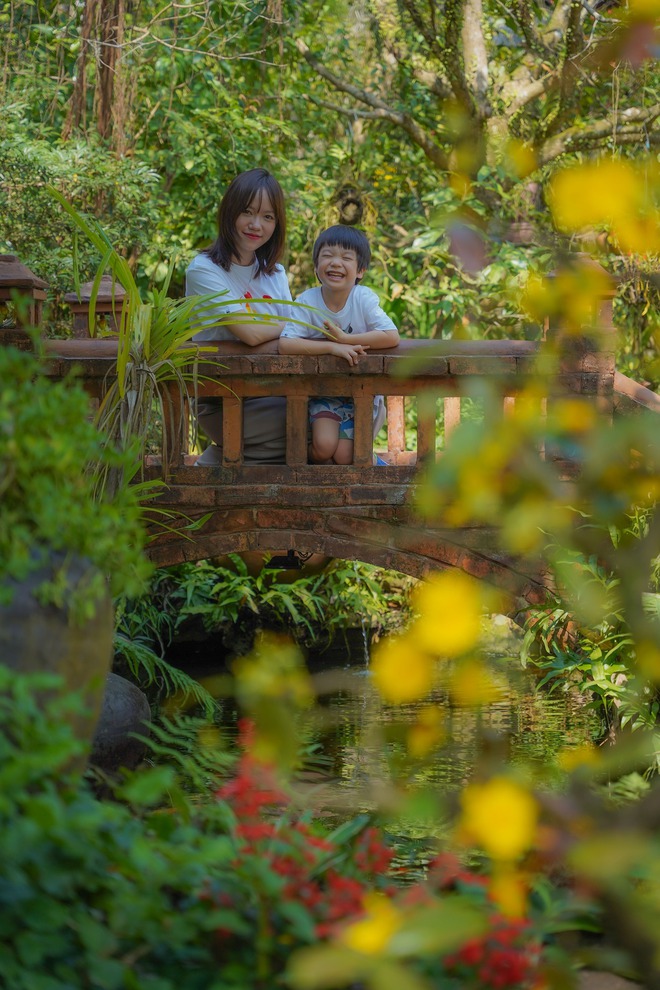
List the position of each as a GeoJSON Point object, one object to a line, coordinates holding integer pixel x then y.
{"type": "Point", "coordinates": [358, 744]}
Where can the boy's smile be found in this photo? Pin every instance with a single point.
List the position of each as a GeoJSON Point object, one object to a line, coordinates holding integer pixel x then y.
{"type": "Point", "coordinates": [337, 270]}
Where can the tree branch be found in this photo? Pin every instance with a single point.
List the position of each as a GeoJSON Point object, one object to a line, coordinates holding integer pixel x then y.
{"type": "Point", "coordinates": [475, 58]}
{"type": "Point", "coordinates": [427, 30]}
{"type": "Point", "coordinates": [553, 33]}
{"type": "Point", "coordinates": [523, 16]}
{"type": "Point", "coordinates": [434, 82]}
{"type": "Point", "coordinates": [451, 55]}
{"type": "Point", "coordinates": [531, 91]}
{"type": "Point", "coordinates": [568, 69]}
{"type": "Point", "coordinates": [380, 108]}
{"type": "Point", "coordinates": [631, 126]}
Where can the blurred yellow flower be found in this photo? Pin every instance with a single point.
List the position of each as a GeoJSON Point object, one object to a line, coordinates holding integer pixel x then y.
{"type": "Point", "coordinates": [499, 816]}
{"type": "Point", "coordinates": [509, 891]}
{"type": "Point", "coordinates": [648, 659]}
{"type": "Point", "coordinates": [460, 184]}
{"type": "Point", "coordinates": [529, 525]}
{"type": "Point", "coordinates": [274, 669]}
{"type": "Point", "coordinates": [401, 671]}
{"type": "Point", "coordinates": [572, 757]}
{"type": "Point", "coordinates": [596, 193]}
{"type": "Point", "coordinates": [644, 10]}
{"type": "Point", "coordinates": [520, 158]}
{"type": "Point", "coordinates": [571, 295]}
{"type": "Point", "coordinates": [638, 234]}
{"type": "Point", "coordinates": [573, 415]}
{"type": "Point", "coordinates": [426, 733]}
{"type": "Point", "coordinates": [471, 684]}
{"type": "Point", "coordinates": [373, 933]}
{"type": "Point", "coordinates": [449, 604]}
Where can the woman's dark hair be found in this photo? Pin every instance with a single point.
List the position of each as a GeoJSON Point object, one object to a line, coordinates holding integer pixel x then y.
{"type": "Point", "coordinates": [241, 192]}
{"type": "Point", "coordinates": [349, 238]}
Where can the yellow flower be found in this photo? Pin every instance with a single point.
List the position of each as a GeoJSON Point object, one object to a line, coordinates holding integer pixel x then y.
{"type": "Point", "coordinates": [643, 10]}
{"type": "Point", "coordinates": [401, 671]}
{"type": "Point", "coordinates": [574, 415]}
{"type": "Point", "coordinates": [520, 158]}
{"type": "Point", "coordinates": [373, 933]}
{"type": "Point", "coordinates": [460, 184]}
{"type": "Point", "coordinates": [499, 817]}
{"type": "Point", "coordinates": [596, 193]}
{"type": "Point", "coordinates": [638, 234]}
{"type": "Point", "coordinates": [572, 757]}
{"type": "Point", "coordinates": [449, 605]}
{"type": "Point", "coordinates": [525, 529]}
{"type": "Point", "coordinates": [509, 891]}
{"type": "Point", "coordinates": [471, 684]}
{"type": "Point", "coordinates": [648, 660]}
{"type": "Point", "coordinates": [426, 733]}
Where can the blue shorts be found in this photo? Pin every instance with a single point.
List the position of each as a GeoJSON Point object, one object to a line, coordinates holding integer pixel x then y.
{"type": "Point", "coordinates": [340, 410]}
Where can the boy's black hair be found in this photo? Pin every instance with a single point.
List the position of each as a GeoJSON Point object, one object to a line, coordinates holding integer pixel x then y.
{"type": "Point", "coordinates": [350, 238]}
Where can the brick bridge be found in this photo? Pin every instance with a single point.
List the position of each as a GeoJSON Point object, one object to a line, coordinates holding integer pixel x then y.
{"type": "Point", "coordinates": [357, 511]}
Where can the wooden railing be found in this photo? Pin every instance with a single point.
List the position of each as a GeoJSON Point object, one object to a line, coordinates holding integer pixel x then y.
{"type": "Point", "coordinates": [438, 375]}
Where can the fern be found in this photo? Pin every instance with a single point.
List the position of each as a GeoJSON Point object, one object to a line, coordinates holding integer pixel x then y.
{"type": "Point", "coordinates": [148, 668]}
{"type": "Point", "coordinates": [651, 605]}
{"type": "Point", "coordinates": [180, 741]}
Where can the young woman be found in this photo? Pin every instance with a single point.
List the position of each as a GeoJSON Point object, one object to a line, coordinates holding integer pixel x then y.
{"type": "Point", "coordinates": [243, 263]}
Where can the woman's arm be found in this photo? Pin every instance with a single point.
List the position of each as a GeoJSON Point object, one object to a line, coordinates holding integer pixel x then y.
{"type": "Point", "coordinates": [254, 333]}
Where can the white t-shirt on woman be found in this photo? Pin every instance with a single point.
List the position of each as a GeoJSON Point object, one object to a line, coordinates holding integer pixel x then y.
{"type": "Point", "coordinates": [241, 282]}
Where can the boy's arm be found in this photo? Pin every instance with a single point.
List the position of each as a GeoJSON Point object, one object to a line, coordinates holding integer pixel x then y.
{"type": "Point", "coordinates": [371, 338]}
{"type": "Point", "coordinates": [378, 330]}
{"type": "Point", "coordinates": [351, 351]}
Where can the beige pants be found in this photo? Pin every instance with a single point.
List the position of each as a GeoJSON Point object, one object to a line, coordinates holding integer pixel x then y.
{"type": "Point", "coordinates": [264, 430]}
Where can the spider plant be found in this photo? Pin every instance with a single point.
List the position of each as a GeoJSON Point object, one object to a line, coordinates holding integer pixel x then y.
{"type": "Point", "coordinates": [155, 356]}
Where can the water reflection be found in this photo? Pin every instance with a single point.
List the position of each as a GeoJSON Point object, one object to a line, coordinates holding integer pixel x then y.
{"type": "Point", "coordinates": [366, 740]}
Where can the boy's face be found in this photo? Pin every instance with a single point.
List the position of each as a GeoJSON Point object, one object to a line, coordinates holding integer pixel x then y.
{"type": "Point", "coordinates": [337, 267]}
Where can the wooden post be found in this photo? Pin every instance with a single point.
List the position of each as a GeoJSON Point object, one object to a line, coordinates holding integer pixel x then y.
{"type": "Point", "coordinates": [452, 408]}
{"type": "Point", "coordinates": [426, 427]}
{"type": "Point", "coordinates": [396, 428]}
{"type": "Point", "coordinates": [297, 426]}
{"type": "Point", "coordinates": [232, 431]}
{"type": "Point", "coordinates": [363, 443]}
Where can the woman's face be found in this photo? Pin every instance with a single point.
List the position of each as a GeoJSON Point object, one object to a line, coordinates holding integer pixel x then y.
{"type": "Point", "coordinates": [254, 227]}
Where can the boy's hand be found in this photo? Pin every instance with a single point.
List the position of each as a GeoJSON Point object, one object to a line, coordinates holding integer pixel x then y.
{"type": "Point", "coordinates": [336, 333]}
{"type": "Point", "coordinates": [350, 352]}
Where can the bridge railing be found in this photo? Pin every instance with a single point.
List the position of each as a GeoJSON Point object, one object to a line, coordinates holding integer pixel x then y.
{"type": "Point", "coordinates": [426, 372]}
{"type": "Point", "coordinates": [437, 375]}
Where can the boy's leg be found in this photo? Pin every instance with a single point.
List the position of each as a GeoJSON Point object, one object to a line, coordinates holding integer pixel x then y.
{"type": "Point", "coordinates": [325, 437]}
{"type": "Point", "coordinates": [344, 452]}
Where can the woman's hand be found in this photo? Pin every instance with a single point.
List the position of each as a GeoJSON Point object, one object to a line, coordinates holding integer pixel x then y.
{"type": "Point", "coordinates": [349, 352]}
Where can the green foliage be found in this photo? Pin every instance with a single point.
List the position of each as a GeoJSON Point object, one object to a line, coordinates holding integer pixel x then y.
{"type": "Point", "coordinates": [35, 228]}
{"type": "Point", "coordinates": [598, 661]}
{"type": "Point", "coordinates": [230, 600]}
{"type": "Point", "coordinates": [93, 893]}
{"type": "Point", "coordinates": [48, 450]}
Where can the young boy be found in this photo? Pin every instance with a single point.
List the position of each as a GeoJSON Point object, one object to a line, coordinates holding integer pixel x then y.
{"type": "Point", "coordinates": [350, 321]}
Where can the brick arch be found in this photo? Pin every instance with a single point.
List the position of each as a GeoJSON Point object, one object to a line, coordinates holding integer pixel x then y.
{"type": "Point", "coordinates": [400, 544]}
